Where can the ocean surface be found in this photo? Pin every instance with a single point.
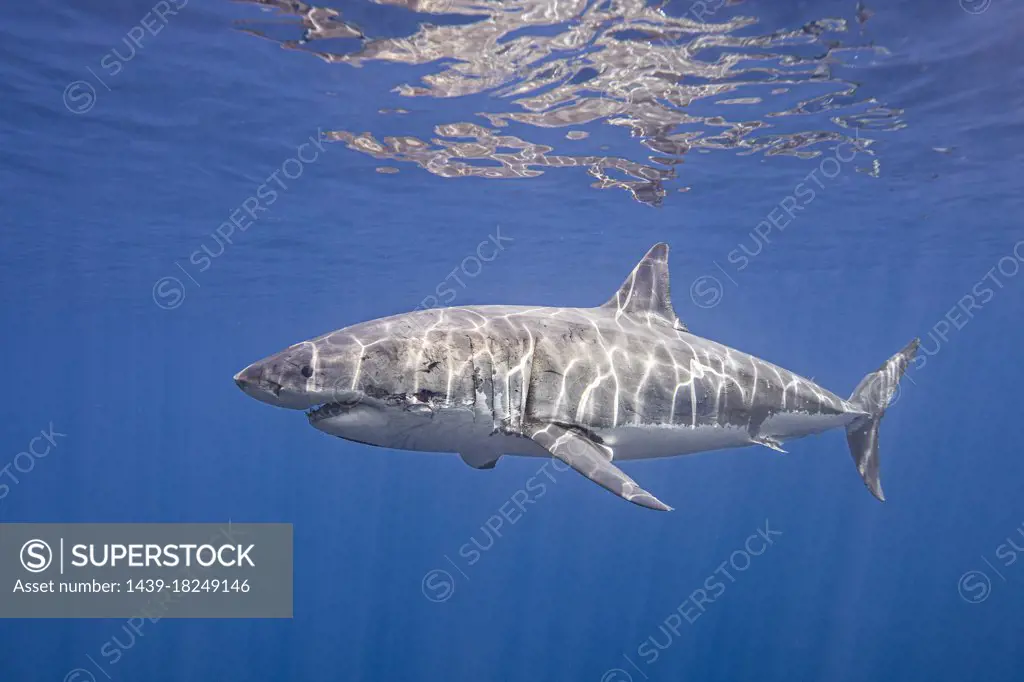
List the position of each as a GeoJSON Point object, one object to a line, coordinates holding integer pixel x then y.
{"type": "Point", "coordinates": [834, 179]}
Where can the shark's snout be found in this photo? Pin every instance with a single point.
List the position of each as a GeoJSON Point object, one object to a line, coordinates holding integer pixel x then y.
{"type": "Point", "coordinates": [254, 383]}
{"type": "Point", "coordinates": [282, 380]}
{"type": "Point", "coordinates": [249, 377]}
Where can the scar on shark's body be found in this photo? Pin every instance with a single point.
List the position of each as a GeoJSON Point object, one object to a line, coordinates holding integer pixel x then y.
{"type": "Point", "coordinates": [589, 386]}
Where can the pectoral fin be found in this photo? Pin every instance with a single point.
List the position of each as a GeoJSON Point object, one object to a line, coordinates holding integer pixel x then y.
{"type": "Point", "coordinates": [593, 461]}
{"type": "Point", "coordinates": [480, 459]}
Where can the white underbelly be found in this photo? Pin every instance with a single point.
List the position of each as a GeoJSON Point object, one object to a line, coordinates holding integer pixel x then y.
{"type": "Point", "coordinates": [464, 431]}
{"type": "Point", "coordinates": [795, 425]}
{"type": "Point", "coordinates": [451, 430]}
{"type": "Point", "coordinates": [646, 442]}
{"type": "Point", "coordinates": [633, 442]}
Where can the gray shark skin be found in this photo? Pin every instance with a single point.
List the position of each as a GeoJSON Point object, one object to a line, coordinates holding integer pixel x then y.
{"type": "Point", "coordinates": [589, 386]}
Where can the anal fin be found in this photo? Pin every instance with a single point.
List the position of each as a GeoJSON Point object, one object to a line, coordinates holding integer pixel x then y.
{"type": "Point", "coordinates": [593, 461]}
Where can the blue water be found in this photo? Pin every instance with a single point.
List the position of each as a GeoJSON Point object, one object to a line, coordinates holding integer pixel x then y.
{"type": "Point", "coordinates": [117, 168]}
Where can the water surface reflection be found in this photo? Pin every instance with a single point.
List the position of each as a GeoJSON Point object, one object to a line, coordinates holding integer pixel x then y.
{"type": "Point", "coordinates": [706, 80]}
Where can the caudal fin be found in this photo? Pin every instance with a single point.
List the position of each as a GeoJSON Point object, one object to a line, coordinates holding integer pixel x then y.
{"type": "Point", "coordinates": [872, 395]}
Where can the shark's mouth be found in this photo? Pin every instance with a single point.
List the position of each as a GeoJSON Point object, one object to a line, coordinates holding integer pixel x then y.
{"type": "Point", "coordinates": [329, 410]}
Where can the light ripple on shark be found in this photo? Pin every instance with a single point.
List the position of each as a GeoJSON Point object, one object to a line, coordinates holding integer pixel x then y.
{"type": "Point", "coordinates": [589, 386]}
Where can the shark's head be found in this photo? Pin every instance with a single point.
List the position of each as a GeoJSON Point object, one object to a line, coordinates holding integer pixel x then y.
{"type": "Point", "coordinates": [286, 379]}
{"type": "Point", "coordinates": [350, 388]}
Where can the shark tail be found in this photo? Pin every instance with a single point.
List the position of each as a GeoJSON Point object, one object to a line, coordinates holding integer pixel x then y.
{"type": "Point", "coordinates": [873, 395]}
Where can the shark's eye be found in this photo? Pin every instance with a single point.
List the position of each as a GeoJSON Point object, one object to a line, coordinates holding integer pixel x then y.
{"type": "Point", "coordinates": [307, 371]}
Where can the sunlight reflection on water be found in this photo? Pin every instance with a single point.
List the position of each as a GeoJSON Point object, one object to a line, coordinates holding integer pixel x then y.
{"type": "Point", "coordinates": [705, 80]}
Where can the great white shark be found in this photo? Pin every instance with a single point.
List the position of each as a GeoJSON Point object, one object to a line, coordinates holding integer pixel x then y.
{"type": "Point", "coordinates": [590, 386]}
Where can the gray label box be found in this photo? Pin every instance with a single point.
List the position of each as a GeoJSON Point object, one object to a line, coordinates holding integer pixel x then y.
{"type": "Point", "coordinates": [146, 570]}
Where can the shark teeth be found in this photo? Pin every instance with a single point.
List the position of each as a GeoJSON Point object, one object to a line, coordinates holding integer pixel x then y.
{"type": "Point", "coordinates": [324, 411]}
{"type": "Point", "coordinates": [328, 410]}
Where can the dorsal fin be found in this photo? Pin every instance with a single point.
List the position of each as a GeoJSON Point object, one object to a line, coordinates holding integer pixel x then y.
{"type": "Point", "coordinates": [645, 292]}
